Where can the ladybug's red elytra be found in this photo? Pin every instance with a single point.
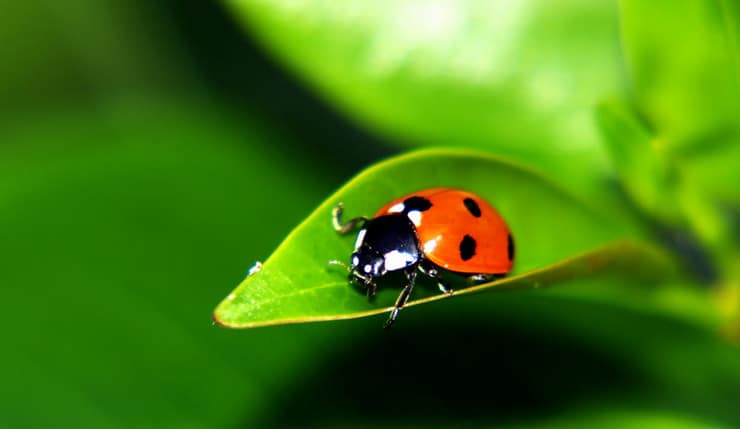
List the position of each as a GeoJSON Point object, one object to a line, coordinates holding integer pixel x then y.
{"type": "Point", "coordinates": [425, 231]}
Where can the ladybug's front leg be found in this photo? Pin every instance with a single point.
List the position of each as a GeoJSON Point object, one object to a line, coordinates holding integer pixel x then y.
{"type": "Point", "coordinates": [431, 271]}
{"type": "Point", "coordinates": [403, 297]}
{"type": "Point", "coordinates": [336, 220]}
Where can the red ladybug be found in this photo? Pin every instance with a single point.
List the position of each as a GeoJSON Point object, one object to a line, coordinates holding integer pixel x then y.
{"type": "Point", "coordinates": [439, 228]}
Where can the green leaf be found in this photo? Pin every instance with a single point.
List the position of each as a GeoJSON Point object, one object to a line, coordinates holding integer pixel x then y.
{"type": "Point", "coordinates": [636, 156]}
{"type": "Point", "coordinates": [715, 169]}
{"type": "Point", "coordinates": [510, 76]}
{"type": "Point", "coordinates": [684, 58]}
{"type": "Point", "coordinates": [548, 224]}
{"type": "Point", "coordinates": [679, 191]}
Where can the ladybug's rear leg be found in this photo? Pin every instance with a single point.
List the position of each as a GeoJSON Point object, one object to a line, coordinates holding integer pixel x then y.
{"type": "Point", "coordinates": [403, 297]}
{"type": "Point", "coordinates": [336, 220]}
{"type": "Point", "coordinates": [477, 279]}
{"type": "Point", "coordinates": [431, 271]}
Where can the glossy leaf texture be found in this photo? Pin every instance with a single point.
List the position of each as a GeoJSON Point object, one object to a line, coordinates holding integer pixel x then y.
{"type": "Point", "coordinates": [512, 77]}
{"type": "Point", "coordinates": [549, 225]}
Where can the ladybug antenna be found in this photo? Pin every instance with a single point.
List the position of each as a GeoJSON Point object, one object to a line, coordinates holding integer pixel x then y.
{"type": "Point", "coordinates": [343, 228]}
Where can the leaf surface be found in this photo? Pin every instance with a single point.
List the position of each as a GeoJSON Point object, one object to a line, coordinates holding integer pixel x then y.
{"type": "Point", "coordinates": [548, 224]}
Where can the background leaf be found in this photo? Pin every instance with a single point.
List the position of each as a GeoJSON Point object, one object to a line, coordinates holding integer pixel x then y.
{"type": "Point", "coordinates": [684, 60]}
{"type": "Point", "coordinates": [636, 156]}
{"type": "Point", "coordinates": [99, 240]}
{"type": "Point", "coordinates": [519, 78]}
{"type": "Point", "coordinates": [677, 192]}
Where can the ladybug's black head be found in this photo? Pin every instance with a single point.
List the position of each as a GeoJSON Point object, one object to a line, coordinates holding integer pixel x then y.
{"type": "Point", "coordinates": [366, 264]}
{"type": "Point", "coordinates": [386, 243]}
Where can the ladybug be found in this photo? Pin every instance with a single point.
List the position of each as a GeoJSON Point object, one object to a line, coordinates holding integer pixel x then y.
{"type": "Point", "coordinates": [425, 232]}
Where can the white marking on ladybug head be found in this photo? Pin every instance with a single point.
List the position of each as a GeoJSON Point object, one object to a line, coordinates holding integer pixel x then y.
{"type": "Point", "coordinates": [415, 216]}
{"type": "Point", "coordinates": [355, 261]}
{"type": "Point", "coordinates": [396, 208]}
{"type": "Point", "coordinates": [360, 238]}
{"type": "Point", "coordinates": [395, 260]}
{"type": "Point", "coordinates": [367, 268]}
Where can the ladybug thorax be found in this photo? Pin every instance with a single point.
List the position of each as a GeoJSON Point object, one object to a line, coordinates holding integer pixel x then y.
{"type": "Point", "coordinates": [385, 243]}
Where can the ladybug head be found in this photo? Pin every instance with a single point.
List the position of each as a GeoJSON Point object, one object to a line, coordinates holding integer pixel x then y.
{"type": "Point", "coordinates": [366, 265]}
{"type": "Point", "coordinates": [386, 243]}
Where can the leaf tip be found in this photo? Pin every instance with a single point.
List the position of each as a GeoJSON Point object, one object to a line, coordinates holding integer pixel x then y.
{"type": "Point", "coordinates": [218, 321]}
{"type": "Point", "coordinates": [220, 314]}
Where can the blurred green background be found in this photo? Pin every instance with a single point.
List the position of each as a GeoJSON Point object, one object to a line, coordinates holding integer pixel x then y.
{"type": "Point", "coordinates": [150, 152]}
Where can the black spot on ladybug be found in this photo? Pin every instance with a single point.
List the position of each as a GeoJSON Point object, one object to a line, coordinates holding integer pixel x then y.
{"type": "Point", "coordinates": [510, 247]}
{"type": "Point", "coordinates": [472, 206]}
{"type": "Point", "coordinates": [467, 248]}
{"type": "Point", "coordinates": [416, 203]}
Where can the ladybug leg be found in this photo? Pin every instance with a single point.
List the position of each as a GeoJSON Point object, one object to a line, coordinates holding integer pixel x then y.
{"type": "Point", "coordinates": [479, 278]}
{"type": "Point", "coordinates": [371, 289]}
{"type": "Point", "coordinates": [336, 220]}
{"type": "Point", "coordinates": [402, 298]}
{"type": "Point", "coordinates": [430, 271]}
